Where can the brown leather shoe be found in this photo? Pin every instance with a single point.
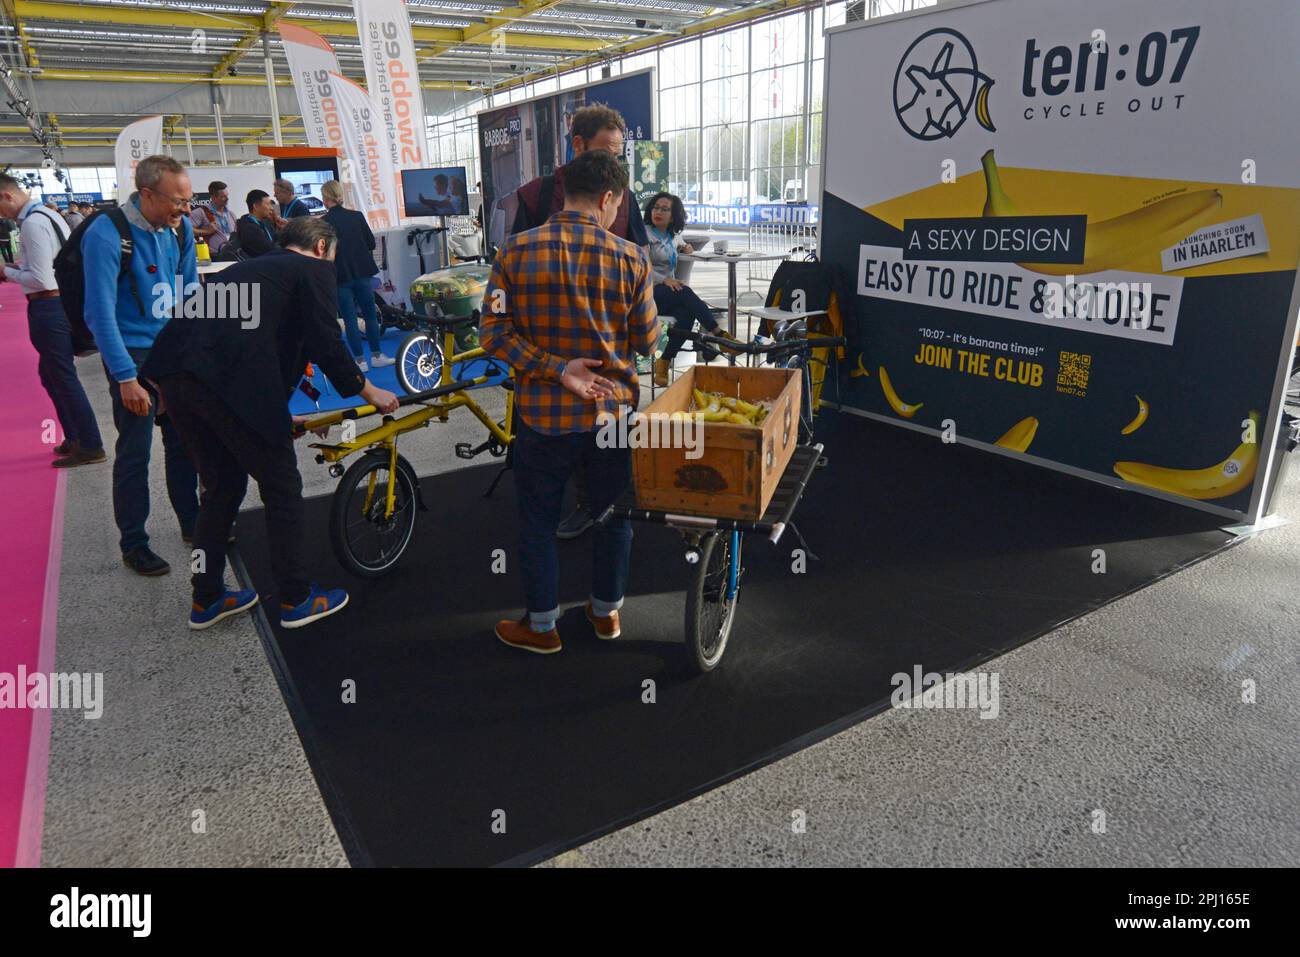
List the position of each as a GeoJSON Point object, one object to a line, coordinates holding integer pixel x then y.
{"type": "Point", "coordinates": [607, 629]}
{"type": "Point", "coordinates": [519, 634]}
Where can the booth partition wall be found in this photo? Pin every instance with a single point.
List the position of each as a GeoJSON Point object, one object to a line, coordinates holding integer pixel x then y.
{"type": "Point", "coordinates": [740, 109]}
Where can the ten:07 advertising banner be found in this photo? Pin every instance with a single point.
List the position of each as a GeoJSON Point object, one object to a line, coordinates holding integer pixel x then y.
{"type": "Point", "coordinates": [1074, 232]}
{"type": "Point", "coordinates": [393, 78]}
{"type": "Point", "coordinates": [136, 141]}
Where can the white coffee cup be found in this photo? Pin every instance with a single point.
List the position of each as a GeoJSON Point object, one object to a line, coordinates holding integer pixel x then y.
{"type": "Point", "coordinates": [720, 246]}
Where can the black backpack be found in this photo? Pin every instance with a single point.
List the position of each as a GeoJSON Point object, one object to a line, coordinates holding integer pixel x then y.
{"type": "Point", "coordinates": [232, 251]}
{"type": "Point", "coordinates": [70, 274]}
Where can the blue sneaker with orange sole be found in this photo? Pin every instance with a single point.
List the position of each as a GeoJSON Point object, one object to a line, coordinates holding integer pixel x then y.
{"type": "Point", "coordinates": [320, 603]}
{"type": "Point", "coordinates": [231, 603]}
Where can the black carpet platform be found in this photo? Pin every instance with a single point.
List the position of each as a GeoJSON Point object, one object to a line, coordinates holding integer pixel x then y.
{"type": "Point", "coordinates": [930, 554]}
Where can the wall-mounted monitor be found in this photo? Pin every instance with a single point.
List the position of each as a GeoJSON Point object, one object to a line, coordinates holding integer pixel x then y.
{"type": "Point", "coordinates": [438, 191]}
{"type": "Point", "coordinates": [308, 174]}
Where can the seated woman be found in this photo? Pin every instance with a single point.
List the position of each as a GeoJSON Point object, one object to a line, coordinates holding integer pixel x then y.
{"type": "Point", "coordinates": [665, 219]}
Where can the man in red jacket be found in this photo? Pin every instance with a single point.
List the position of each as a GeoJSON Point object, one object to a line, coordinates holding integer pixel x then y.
{"type": "Point", "coordinates": [595, 127]}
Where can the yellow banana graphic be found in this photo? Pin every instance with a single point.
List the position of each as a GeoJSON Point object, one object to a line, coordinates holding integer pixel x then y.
{"type": "Point", "coordinates": [982, 109]}
{"type": "Point", "coordinates": [861, 370]}
{"type": "Point", "coordinates": [1115, 242]}
{"type": "Point", "coordinates": [905, 409]}
{"type": "Point", "coordinates": [1138, 420]}
{"type": "Point", "coordinates": [996, 201]}
{"type": "Point", "coordinates": [1229, 477]}
{"type": "Point", "coordinates": [1018, 437]}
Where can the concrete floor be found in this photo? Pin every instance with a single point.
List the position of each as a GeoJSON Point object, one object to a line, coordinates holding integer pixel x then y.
{"type": "Point", "coordinates": [1135, 711]}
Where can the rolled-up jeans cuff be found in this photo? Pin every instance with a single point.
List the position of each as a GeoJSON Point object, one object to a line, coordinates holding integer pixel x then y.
{"type": "Point", "coordinates": [544, 620]}
{"type": "Point", "coordinates": [602, 609]}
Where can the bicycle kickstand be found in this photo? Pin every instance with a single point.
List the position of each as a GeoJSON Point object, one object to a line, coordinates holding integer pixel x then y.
{"type": "Point", "coordinates": [500, 474]}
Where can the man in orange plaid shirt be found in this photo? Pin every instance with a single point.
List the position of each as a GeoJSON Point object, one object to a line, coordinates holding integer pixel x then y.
{"type": "Point", "coordinates": [569, 304]}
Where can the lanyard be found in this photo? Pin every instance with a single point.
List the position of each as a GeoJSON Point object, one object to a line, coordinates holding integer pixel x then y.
{"type": "Point", "coordinates": [666, 243]}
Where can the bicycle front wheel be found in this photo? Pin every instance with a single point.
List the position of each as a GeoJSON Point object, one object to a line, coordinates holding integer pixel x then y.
{"type": "Point", "coordinates": [709, 612]}
{"type": "Point", "coordinates": [419, 362]}
{"type": "Point", "coordinates": [366, 541]}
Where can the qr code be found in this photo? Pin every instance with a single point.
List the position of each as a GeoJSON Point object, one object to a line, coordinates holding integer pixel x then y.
{"type": "Point", "coordinates": [1074, 370]}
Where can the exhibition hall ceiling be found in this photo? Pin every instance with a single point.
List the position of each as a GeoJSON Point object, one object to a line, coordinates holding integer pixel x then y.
{"type": "Point", "coordinates": [90, 66]}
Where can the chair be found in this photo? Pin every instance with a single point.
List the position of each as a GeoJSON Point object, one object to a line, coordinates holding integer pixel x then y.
{"type": "Point", "coordinates": [683, 274]}
{"type": "Point", "coordinates": [827, 308]}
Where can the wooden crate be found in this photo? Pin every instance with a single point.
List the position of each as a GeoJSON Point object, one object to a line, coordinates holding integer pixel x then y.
{"type": "Point", "coordinates": [741, 465]}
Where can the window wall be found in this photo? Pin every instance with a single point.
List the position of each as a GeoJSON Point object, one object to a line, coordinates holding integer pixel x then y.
{"type": "Point", "coordinates": [740, 109]}
{"type": "Point", "coordinates": [85, 179]}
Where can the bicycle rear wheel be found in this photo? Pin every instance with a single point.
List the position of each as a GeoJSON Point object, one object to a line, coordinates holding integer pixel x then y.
{"type": "Point", "coordinates": [709, 612]}
{"type": "Point", "coordinates": [365, 542]}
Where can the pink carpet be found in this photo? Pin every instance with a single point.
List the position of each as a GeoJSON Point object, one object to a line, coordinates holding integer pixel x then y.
{"type": "Point", "coordinates": [30, 550]}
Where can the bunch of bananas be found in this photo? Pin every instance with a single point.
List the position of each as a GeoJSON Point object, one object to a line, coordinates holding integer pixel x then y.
{"type": "Point", "coordinates": [715, 407]}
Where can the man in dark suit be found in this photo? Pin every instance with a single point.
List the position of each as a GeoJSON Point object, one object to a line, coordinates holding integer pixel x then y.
{"type": "Point", "coordinates": [256, 228]}
{"type": "Point", "coordinates": [225, 381]}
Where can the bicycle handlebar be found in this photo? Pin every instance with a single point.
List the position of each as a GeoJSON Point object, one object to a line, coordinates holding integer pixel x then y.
{"type": "Point", "coordinates": [449, 322]}
{"type": "Point", "coordinates": [361, 411]}
{"type": "Point", "coordinates": [761, 348]}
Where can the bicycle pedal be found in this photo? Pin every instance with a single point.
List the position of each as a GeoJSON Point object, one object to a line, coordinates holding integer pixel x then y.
{"type": "Point", "coordinates": [464, 450]}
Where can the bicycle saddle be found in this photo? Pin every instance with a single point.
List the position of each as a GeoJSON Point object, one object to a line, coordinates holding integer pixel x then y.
{"type": "Point", "coordinates": [784, 329]}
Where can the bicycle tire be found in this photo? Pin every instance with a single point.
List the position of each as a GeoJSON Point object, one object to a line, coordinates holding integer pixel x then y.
{"type": "Point", "coordinates": [419, 362]}
{"type": "Point", "coordinates": [709, 616]}
{"type": "Point", "coordinates": [348, 520]}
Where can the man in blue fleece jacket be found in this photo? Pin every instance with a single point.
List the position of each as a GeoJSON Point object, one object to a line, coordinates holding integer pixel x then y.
{"type": "Point", "coordinates": [126, 313]}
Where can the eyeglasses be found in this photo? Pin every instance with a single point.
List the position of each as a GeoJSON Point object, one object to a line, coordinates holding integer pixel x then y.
{"type": "Point", "coordinates": [177, 203]}
{"type": "Point", "coordinates": [661, 209]}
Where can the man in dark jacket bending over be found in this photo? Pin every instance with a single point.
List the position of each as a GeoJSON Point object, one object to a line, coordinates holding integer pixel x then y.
{"type": "Point", "coordinates": [225, 377]}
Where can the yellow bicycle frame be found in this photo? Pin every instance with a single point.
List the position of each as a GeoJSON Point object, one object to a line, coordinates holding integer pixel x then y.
{"type": "Point", "coordinates": [386, 433]}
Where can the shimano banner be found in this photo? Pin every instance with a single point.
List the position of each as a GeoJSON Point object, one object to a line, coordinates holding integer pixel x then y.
{"type": "Point", "coordinates": [1074, 232]}
{"type": "Point", "coordinates": [793, 214]}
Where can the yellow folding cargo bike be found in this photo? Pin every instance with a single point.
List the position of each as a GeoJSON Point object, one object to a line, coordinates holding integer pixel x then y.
{"type": "Point", "coordinates": [372, 515]}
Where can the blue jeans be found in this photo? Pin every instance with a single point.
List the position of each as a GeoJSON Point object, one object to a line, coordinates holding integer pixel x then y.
{"type": "Point", "coordinates": [359, 293]}
{"type": "Point", "coordinates": [52, 336]}
{"type": "Point", "coordinates": [131, 468]}
{"type": "Point", "coordinates": [687, 309]}
{"type": "Point", "coordinates": [542, 466]}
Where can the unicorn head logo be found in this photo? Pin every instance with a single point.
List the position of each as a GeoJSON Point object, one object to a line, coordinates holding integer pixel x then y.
{"type": "Point", "coordinates": [938, 84]}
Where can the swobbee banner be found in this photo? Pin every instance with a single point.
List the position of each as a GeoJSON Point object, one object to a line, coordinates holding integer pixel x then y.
{"type": "Point", "coordinates": [1074, 230]}
{"type": "Point", "coordinates": [366, 148]}
{"type": "Point", "coordinates": [338, 113]}
{"type": "Point", "coordinates": [393, 79]}
{"type": "Point", "coordinates": [136, 141]}
{"type": "Point", "coordinates": [311, 61]}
